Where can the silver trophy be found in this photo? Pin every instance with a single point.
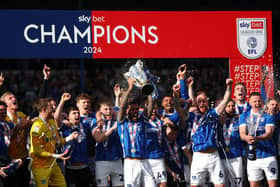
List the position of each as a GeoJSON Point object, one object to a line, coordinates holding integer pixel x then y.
{"type": "Point", "coordinates": [251, 153]}
{"type": "Point", "coordinates": [144, 80]}
{"type": "Point", "coordinates": [251, 125]}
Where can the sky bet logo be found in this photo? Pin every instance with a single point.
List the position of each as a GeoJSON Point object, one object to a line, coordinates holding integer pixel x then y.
{"type": "Point", "coordinates": [254, 25]}
{"type": "Point", "coordinates": [119, 34]}
{"type": "Point", "coordinates": [244, 24]}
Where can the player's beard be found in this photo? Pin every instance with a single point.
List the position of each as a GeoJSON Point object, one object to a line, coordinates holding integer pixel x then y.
{"type": "Point", "coordinates": [133, 116]}
{"type": "Point", "coordinates": [230, 114]}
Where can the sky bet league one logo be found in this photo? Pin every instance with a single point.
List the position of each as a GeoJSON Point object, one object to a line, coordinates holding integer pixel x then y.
{"type": "Point", "coordinates": [251, 37]}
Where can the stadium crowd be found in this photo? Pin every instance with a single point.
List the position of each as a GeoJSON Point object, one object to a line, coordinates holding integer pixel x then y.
{"type": "Point", "coordinates": [110, 136]}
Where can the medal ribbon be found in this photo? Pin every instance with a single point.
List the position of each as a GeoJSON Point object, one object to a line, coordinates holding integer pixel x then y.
{"type": "Point", "coordinates": [81, 131]}
{"type": "Point", "coordinates": [157, 125]}
{"type": "Point", "coordinates": [227, 132]}
{"type": "Point", "coordinates": [106, 127]}
{"type": "Point", "coordinates": [174, 153]}
{"type": "Point", "coordinates": [132, 133]}
{"type": "Point", "coordinates": [122, 138]}
{"type": "Point", "coordinates": [196, 123]}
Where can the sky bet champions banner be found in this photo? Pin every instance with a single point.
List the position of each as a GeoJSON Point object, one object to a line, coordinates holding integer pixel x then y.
{"type": "Point", "coordinates": [243, 37]}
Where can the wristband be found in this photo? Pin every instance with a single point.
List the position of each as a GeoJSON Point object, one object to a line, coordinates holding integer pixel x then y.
{"type": "Point", "coordinates": [55, 155]}
{"type": "Point", "coordinates": [68, 138]}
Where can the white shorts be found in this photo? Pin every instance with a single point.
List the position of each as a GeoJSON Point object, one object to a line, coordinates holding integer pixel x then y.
{"type": "Point", "coordinates": [114, 169]}
{"type": "Point", "coordinates": [138, 173]}
{"type": "Point", "coordinates": [267, 165]}
{"type": "Point", "coordinates": [233, 171]}
{"type": "Point", "coordinates": [206, 163]}
{"type": "Point", "coordinates": [158, 169]}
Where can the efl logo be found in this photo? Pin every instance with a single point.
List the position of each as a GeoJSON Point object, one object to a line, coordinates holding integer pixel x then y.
{"type": "Point", "coordinates": [251, 37]}
{"type": "Point", "coordinates": [257, 25]}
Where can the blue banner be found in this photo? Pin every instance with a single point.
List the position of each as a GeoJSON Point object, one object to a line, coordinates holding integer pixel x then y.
{"type": "Point", "coordinates": [45, 34]}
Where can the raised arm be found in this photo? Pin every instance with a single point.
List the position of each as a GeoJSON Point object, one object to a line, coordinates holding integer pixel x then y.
{"type": "Point", "coordinates": [124, 102]}
{"type": "Point", "coordinates": [118, 93]}
{"type": "Point", "coordinates": [149, 107]}
{"type": "Point", "coordinates": [263, 91]}
{"type": "Point", "coordinates": [182, 71]}
{"type": "Point", "coordinates": [190, 83]}
{"type": "Point", "coordinates": [220, 108]}
{"type": "Point", "coordinates": [44, 88]}
{"type": "Point", "coordinates": [57, 115]}
{"type": "Point", "coordinates": [182, 113]}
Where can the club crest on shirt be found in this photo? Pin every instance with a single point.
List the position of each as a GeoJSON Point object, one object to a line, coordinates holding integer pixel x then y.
{"type": "Point", "coordinates": [36, 129]}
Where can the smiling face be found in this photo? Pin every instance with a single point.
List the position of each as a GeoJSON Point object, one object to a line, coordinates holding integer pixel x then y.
{"type": "Point", "coordinates": [133, 111]}
{"type": "Point", "coordinates": [256, 102]}
{"type": "Point", "coordinates": [168, 104]}
{"type": "Point", "coordinates": [106, 109]}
